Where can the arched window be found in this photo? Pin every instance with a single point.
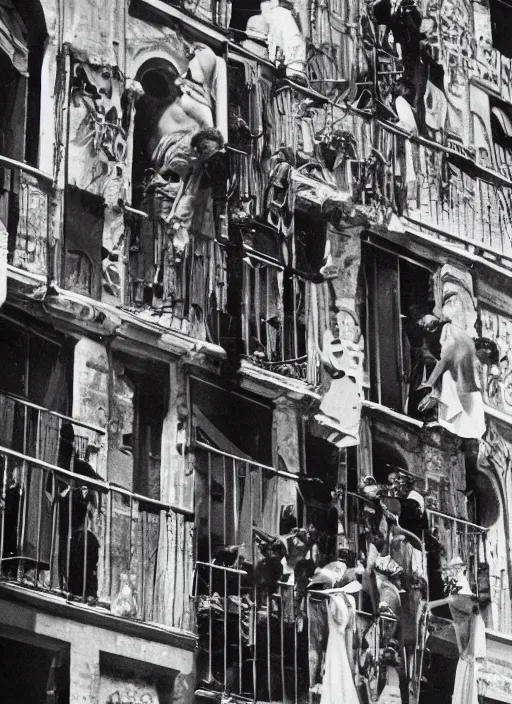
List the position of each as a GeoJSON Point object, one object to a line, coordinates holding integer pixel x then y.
{"type": "Point", "coordinates": [22, 41]}
{"type": "Point", "coordinates": [157, 78]}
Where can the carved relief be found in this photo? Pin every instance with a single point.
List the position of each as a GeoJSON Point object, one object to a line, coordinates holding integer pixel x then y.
{"type": "Point", "coordinates": [118, 690]}
{"type": "Point", "coordinates": [97, 160]}
{"type": "Point", "coordinates": [495, 459]}
{"type": "Point", "coordinates": [497, 377]}
{"type": "Point", "coordinates": [456, 52]}
{"type": "Point", "coordinates": [182, 141]}
{"type": "Point", "coordinates": [454, 296]}
{"type": "Point", "coordinates": [31, 251]}
{"type": "Point", "coordinates": [487, 64]}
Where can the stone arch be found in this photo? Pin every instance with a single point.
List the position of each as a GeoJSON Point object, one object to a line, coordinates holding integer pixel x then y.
{"type": "Point", "coordinates": [157, 76]}
{"type": "Point", "coordinates": [494, 461]}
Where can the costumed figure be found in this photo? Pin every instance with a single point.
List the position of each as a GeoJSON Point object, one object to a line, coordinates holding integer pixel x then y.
{"type": "Point", "coordinates": [338, 681]}
{"type": "Point", "coordinates": [423, 332]}
{"type": "Point", "coordinates": [391, 692]}
{"type": "Point", "coordinates": [176, 160]}
{"type": "Point", "coordinates": [455, 386]}
{"type": "Point", "coordinates": [286, 45]}
{"type": "Point", "coordinates": [343, 358]}
{"type": "Point", "coordinates": [470, 633]}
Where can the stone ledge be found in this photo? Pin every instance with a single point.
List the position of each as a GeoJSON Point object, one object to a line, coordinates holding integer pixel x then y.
{"type": "Point", "coordinates": [92, 616]}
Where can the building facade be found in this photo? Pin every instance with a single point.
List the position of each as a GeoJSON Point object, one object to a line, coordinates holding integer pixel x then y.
{"type": "Point", "coordinates": [256, 342]}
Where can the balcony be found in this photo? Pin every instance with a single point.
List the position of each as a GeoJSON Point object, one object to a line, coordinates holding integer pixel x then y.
{"type": "Point", "coordinates": [263, 639]}
{"type": "Point", "coordinates": [26, 210]}
{"type": "Point", "coordinates": [273, 315]}
{"type": "Point", "coordinates": [437, 188]}
{"type": "Point", "coordinates": [66, 532]}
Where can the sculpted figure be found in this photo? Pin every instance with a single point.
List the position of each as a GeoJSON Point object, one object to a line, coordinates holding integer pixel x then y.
{"type": "Point", "coordinates": [454, 383]}
{"type": "Point", "coordinates": [188, 114]}
{"type": "Point", "coordinates": [182, 140]}
{"type": "Point", "coordinates": [342, 356]}
{"type": "Point", "coordinates": [286, 44]}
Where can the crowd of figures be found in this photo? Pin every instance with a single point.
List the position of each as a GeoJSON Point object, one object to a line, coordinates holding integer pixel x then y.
{"type": "Point", "coordinates": [312, 614]}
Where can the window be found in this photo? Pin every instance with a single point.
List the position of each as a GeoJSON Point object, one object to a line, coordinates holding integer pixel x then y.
{"type": "Point", "coordinates": [398, 295]}
{"type": "Point", "coordinates": [49, 672]}
{"type": "Point", "coordinates": [501, 126]}
{"type": "Point", "coordinates": [157, 78]}
{"type": "Point", "coordinates": [241, 11]}
{"type": "Point", "coordinates": [241, 508]}
{"type": "Point", "coordinates": [239, 107]}
{"type": "Point", "coordinates": [32, 359]}
{"type": "Point", "coordinates": [22, 37]}
{"type": "Point", "coordinates": [273, 313]}
{"type": "Point", "coordinates": [83, 242]}
{"type": "Point", "coordinates": [140, 403]}
{"type": "Point", "coordinates": [501, 25]}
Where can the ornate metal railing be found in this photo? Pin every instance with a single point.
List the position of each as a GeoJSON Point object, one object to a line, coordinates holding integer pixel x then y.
{"type": "Point", "coordinates": [67, 532]}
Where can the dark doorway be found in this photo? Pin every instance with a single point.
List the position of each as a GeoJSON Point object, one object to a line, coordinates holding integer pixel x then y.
{"type": "Point", "coordinates": [33, 675]}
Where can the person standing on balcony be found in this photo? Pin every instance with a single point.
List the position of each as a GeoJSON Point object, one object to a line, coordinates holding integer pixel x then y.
{"type": "Point", "coordinates": [78, 546]}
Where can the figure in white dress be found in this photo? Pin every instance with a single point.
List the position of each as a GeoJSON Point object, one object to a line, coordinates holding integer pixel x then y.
{"type": "Point", "coordinates": [338, 681]}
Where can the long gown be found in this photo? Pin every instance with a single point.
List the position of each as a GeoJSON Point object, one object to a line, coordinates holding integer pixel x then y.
{"type": "Point", "coordinates": [338, 682]}
{"type": "Point", "coordinates": [470, 632]}
{"type": "Point", "coordinates": [391, 692]}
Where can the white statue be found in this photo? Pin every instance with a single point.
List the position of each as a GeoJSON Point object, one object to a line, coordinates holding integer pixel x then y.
{"type": "Point", "coordinates": [343, 357]}
{"type": "Point", "coordinates": [286, 45]}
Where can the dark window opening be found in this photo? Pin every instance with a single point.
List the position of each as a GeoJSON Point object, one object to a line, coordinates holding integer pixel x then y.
{"type": "Point", "coordinates": [239, 108]}
{"type": "Point", "coordinates": [398, 295]}
{"type": "Point", "coordinates": [501, 127]}
{"type": "Point", "coordinates": [244, 422]}
{"type": "Point", "coordinates": [37, 364]}
{"type": "Point", "coordinates": [157, 78]}
{"type": "Point", "coordinates": [501, 25]}
{"type": "Point", "coordinates": [440, 670]}
{"type": "Point", "coordinates": [482, 501]}
{"type": "Point", "coordinates": [386, 459]}
{"type": "Point", "coordinates": [241, 11]}
{"type": "Point", "coordinates": [139, 410]}
{"type": "Point", "coordinates": [82, 263]}
{"type": "Point", "coordinates": [21, 59]}
{"type": "Point", "coordinates": [49, 674]}
{"type": "Point", "coordinates": [294, 304]}
{"type": "Point", "coordinates": [327, 463]}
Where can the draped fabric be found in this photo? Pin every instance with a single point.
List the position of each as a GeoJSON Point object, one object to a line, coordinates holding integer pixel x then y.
{"type": "Point", "coordinates": [470, 633]}
{"type": "Point", "coordinates": [338, 683]}
{"type": "Point", "coordinates": [391, 692]}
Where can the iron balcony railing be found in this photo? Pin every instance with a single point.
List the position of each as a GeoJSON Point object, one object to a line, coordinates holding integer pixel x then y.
{"type": "Point", "coordinates": [436, 187]}
{"type": "Point", "coordinates": [49, 436]}
{"type": "Point", "coordinates": [65, 532]}
{"type": "Point", "coordinates": [258, 635]}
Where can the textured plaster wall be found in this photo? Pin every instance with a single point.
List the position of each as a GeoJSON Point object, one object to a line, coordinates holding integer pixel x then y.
{"type": "Point", "coordinates": [86, 642]}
